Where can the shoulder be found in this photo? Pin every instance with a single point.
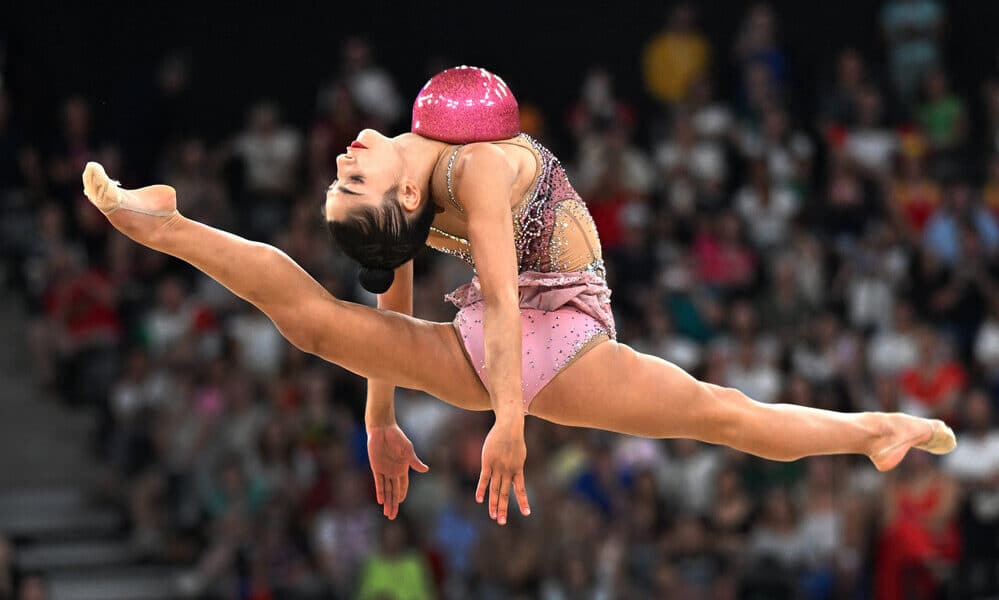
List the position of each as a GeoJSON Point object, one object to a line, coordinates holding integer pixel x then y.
{"type": "Point", "coordinates": [481, 159]}
{"type": "Point", "coordinates": [478, 168]}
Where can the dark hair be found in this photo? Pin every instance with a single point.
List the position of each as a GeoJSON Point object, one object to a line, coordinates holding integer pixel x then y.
{"type": "Point", "coordinates": [382, 239]}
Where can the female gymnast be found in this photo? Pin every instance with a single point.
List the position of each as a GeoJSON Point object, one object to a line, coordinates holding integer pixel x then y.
{"type": "Point", "coordinates": [534, 333]}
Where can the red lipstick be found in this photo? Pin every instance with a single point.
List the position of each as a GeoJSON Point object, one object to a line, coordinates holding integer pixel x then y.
{"type": "Point", "coordinates": [357, 144]}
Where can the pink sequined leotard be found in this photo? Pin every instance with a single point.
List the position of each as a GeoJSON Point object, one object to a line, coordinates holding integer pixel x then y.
{"type": "Point", "coordinates": [564, 299]}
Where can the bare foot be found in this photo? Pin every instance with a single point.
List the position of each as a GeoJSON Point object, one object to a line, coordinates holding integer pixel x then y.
{"type": "Point", "coordinates": [902, 432]}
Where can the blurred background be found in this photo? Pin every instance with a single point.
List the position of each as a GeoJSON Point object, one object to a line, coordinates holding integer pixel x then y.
{"type": "Point", "coordinates": [796, 199]}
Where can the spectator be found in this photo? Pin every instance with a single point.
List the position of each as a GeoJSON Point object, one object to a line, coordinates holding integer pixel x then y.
{"type": "Point", "coordinates": [976, 467]}
{"type": "Point", "coordinates": [920, 531]}
{"type": "Point", "coordinates": [174, 327]}
{"type": "Point", "coordinates": [618, 174]}
{"type": "Point", "coordinates": [712, 118]}
{"type": "Point", "coordinates": [688, 157]}
{"type": "Point", "coordinates": [343, 534]}
{"type": "Point", "coordinates": [371, 86]}
{"type": "Point", "coordinates": [942, 117]}
{"type": "Point", "coordinates": [756, 43]}
{"type": "Point", "coordinates": [269, 150]}
{"type": "Point", "coordinates": [201, 193]}
{"type": "Point", "coordinates": [688, 477]}
{"type": "Point", "coordinates": [676, 57]}
{"type": "Point", "coordinates": [912, 30]}
{"type": "Point", "coordinates": [960, 213]}
{"type": "Point", "coordinates": [598, 110]}
{"type": "Point", "coordinates": [396, 570]}
{"type": "Point", "coordinates": [869, 144]}
{"type": "Point", "coordinates": [894, 348]}
{"type": "Point", "coordinates": [913, 196]}
{"type": "Point", "coordinates": [73, 148]}
{"type": "Point", "coordinates": [990, 191]}
{"type": "Point", "coordinates": [766, 208]}
{"type": "Point", "coordinates": [788, 153]}
{"type": "Point", "coordinates": [934, 383]}
{"type": "Point", "coordinates": [840, 107]}
{"type": "Point", "coordinates": [986, 348]}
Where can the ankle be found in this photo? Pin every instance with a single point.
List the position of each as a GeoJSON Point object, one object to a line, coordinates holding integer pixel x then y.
{"type": "Point", "coordinates": [878, 428]}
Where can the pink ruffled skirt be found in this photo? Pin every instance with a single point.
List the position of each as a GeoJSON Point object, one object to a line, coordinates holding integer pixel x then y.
{"type": "Point", "coordinates": [561, 314]}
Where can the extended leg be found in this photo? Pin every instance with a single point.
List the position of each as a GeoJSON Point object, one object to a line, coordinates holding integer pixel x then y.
{"type": "Point", "coordinates": [377, 344]}
{"type": "Point", "coordinates": [612, 387]}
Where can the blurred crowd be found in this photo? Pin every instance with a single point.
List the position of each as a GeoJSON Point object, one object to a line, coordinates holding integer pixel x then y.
{"type": "Point", "coordinates": [843, 255]}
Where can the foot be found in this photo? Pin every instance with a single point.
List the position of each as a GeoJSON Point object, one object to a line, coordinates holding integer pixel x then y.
{"type": "Point", "coordinates": [901, 432]}
{"type": "Point", "coordinates": [158, 201]}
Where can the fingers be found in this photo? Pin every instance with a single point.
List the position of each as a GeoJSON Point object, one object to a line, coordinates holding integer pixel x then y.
{"type": "Point", "coordinates": [480, 491]}
{"type": "Point", "coordinates": [520, 489]}
{"type": "Point", "coordinates": [495, 485]}
{"type": "Point", "coordinates": [499, 494]}
{"type": "Point", "coordinates": [380, 488]}
{"type": "Point", "coordinates": [418, 465]}
{"type": "Point", "coordinates": [390, 505]}
{"type": "Point", "coordinates": [401, 488]}
{"type": "Point", "coordinates": [504, 498]}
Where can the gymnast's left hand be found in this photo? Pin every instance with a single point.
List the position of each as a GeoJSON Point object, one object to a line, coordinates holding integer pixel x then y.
{"type": "Point", "coordinates": [503, 455]}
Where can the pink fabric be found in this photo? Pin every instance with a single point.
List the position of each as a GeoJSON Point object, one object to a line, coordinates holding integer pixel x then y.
{"type": "Point", "coordinates": [560, 313]}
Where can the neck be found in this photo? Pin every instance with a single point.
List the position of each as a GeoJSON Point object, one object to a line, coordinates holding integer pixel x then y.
{"type": "Point", "coordinates": [422, 155]}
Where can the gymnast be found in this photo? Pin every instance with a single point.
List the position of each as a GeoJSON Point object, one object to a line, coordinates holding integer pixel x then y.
{"type": "Point", "coordinates": [534, 333]}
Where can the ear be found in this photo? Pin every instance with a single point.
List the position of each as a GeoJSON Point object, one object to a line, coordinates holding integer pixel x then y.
{"type": "Point", "coordinates": [409, 195]}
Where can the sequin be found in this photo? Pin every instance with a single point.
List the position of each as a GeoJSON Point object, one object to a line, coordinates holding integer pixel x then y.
{"type": "Point", "coordinates": [562, 279]}
{"type": "Point", "coordinates": [466, 104]}
{"type": "Point", "coordinates": [553, 231]}
{"type": "Point", "coordinates": [448, 179]}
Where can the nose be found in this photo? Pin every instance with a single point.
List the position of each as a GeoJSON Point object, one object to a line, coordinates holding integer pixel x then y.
{"type": "Point", "coordinates": [344, 161]}
{"type": "Point", "coordinates": [368, 136]}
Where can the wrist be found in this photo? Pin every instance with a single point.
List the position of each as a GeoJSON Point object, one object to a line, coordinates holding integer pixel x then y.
{"type": "Point", "coordinates": [511, 419]}
{"type": "Point", "coordinates": [379, 424]}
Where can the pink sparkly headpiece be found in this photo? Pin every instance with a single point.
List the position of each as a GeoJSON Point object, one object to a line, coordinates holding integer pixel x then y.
{"type": "Point", "coordinates": [466, 104]}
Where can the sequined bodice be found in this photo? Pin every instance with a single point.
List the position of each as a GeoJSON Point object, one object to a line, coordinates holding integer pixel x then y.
{"type": "Point", "coordinates": [553, 230]}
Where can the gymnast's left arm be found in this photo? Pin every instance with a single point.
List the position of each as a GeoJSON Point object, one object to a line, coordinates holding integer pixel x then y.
{"type": "Point", "coordinates": [484, 182]}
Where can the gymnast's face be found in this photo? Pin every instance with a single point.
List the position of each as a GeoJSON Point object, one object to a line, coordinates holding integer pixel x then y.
{"type": "Point", "coordinates": [372, 165]}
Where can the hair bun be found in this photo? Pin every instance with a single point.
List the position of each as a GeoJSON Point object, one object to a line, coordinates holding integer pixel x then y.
{"type": "Point", "coordinates": [376, 281]}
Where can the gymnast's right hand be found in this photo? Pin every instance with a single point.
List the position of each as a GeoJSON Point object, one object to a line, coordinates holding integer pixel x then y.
{"type": "Point", "coordinates": [391, 455]}
{"type": "Point", "coordinates": [140, 214]}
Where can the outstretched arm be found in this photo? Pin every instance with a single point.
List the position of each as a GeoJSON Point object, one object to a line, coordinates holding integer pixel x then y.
{"type": "Point", "coordinates": [390, 452]}
{"type": "Point", "coordinates": [485, 179]}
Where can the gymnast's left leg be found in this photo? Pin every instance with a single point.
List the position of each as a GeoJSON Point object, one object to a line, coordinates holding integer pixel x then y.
{"type": "Point", "coordinates": [614, 388]}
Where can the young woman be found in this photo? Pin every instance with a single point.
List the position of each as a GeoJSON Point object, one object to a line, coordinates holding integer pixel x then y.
{"type": "Point", "coordinates": [534, 333]}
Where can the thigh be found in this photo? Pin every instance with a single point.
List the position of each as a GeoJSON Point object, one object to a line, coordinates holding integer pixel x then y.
{"type": "Point", "coordinates": [614, 388]}
{"type": "Point", "coordinates": [403, 350]}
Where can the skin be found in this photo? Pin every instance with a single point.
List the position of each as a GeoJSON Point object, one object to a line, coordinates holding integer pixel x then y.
{"type": "Point", "coordinates": [391, 348]}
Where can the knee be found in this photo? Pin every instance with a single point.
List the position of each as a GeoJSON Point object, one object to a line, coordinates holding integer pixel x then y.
{"type": "Point", "coordinates": [723, 410]}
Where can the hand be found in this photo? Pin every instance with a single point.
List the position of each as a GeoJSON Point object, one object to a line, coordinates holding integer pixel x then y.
{"type": "Point", "coordinates": [391, 455]}
{"type": "Point", "coordinates": [503, 455]}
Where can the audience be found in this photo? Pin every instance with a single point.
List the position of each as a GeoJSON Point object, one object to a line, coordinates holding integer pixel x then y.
{"type": "Point", "coordinates": [851, 268]}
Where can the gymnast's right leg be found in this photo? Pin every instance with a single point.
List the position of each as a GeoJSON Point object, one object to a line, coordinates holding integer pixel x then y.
{"type": "Point", "coordinates": [376, 344]}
